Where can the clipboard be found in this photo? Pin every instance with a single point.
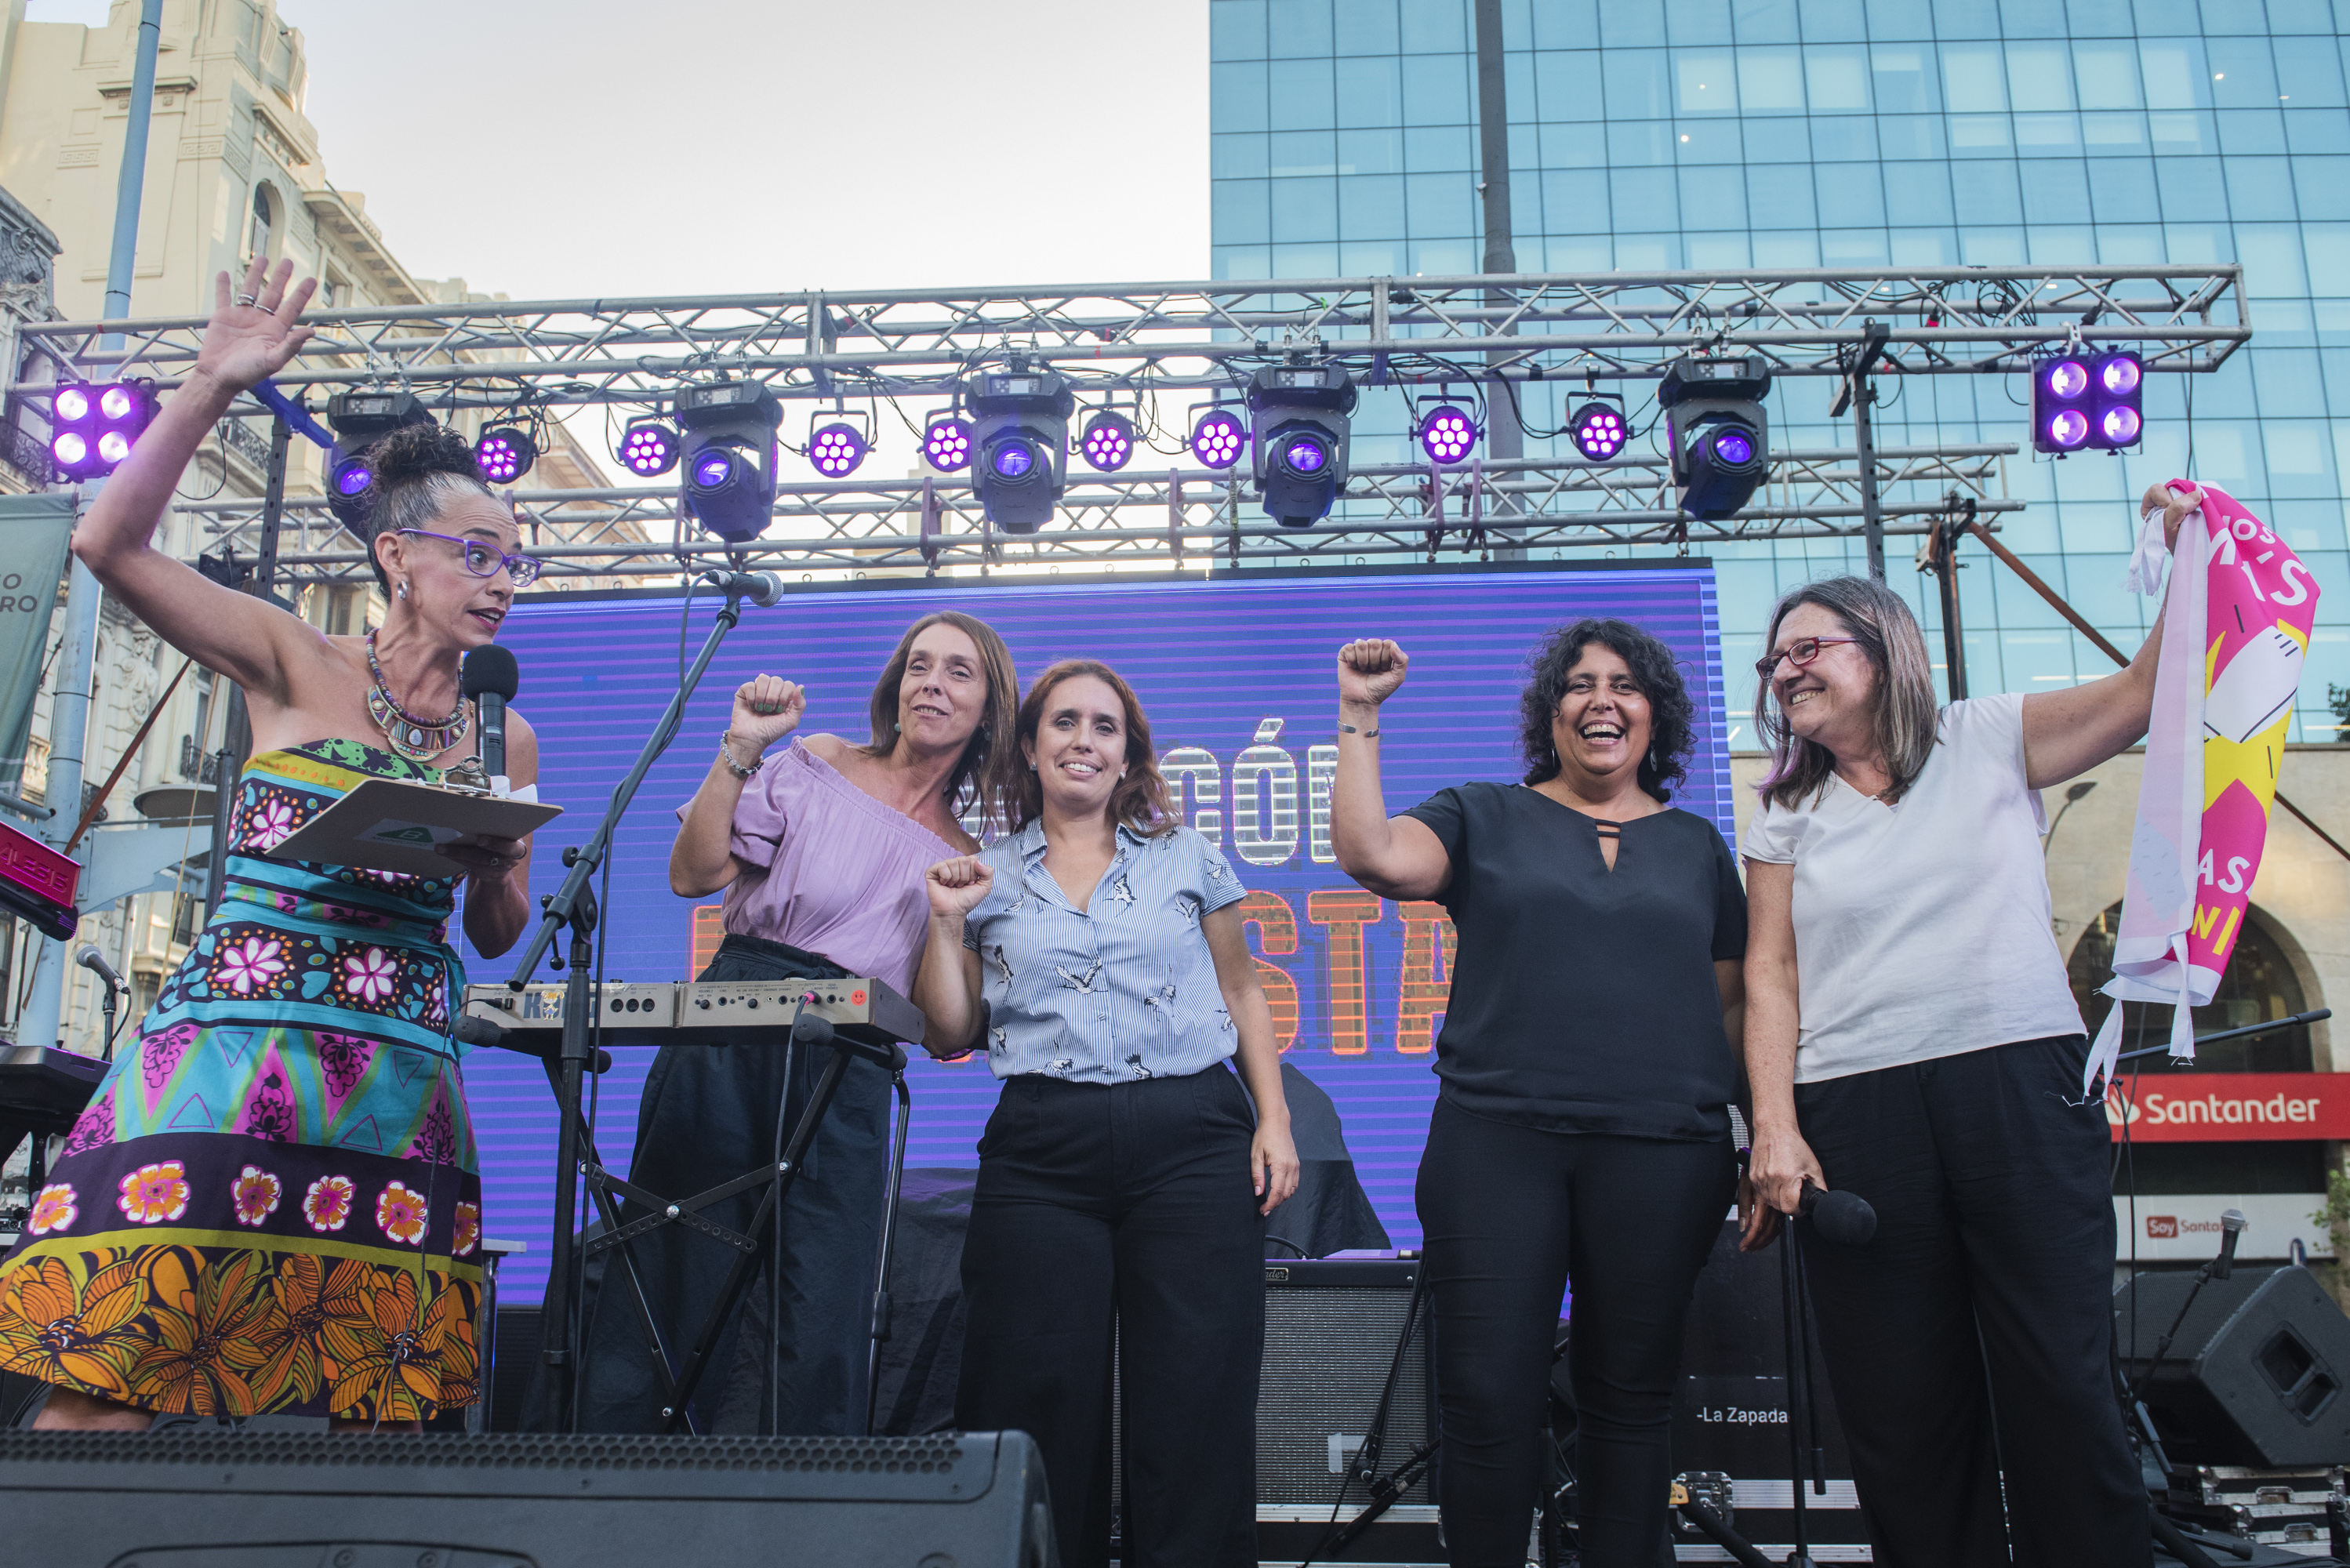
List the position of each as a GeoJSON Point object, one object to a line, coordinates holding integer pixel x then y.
{"type": "Point", "coordinates": [400, 825]}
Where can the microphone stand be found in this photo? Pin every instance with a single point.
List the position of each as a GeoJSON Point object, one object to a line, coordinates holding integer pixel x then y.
{"type": "Point", "coordinates": [573, 906]}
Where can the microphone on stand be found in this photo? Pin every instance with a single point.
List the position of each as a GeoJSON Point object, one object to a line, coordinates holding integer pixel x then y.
{"type": "Point", "coordinates": [762, 588]}
{"type": "Point", "coordinates": [91, 958]}
{"type": "Point", "coordinates": [2231, 1225]}
{"type": "Point", "coordinates": [1842, 1216]}
{"type": "Point", "coordinates": [491, 678]}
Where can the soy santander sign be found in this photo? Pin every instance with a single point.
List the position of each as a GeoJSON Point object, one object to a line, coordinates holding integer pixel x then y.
{"type": "Point", "coordinates": [2207, 1107]}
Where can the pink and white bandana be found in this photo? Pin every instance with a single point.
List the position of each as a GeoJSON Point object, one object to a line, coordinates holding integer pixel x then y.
{"type": "Point", "coordinates": [2236, 628]}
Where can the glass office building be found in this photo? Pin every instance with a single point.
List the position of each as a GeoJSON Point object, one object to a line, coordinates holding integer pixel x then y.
{"type": "Point", "coordinates": [1728, 134]}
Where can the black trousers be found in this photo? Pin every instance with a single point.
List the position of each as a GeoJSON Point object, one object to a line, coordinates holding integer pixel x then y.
{"type": "Point", "coordinates": [1123, 1208]}
{"type": "Point", "coordinates": [709, 1115]}
{"type": "Point", "coordinates": [1970, 1340]}
{"type": "Point", "coordinates": [1510, 1214]}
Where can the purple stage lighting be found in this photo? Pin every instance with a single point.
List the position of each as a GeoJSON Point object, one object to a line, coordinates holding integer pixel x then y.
{"type": "Point", "coordinates": [1597, 430]}
{"type": "Point", "coordinates": [1108, 441]}
{"type": "Point", "coordinates": [94, 427]}
{"type": "Point", "coordinates": [947, 443]}
{"type": "Point", "coordinates": [1218, 437]}
{"type": "Point", "coordinates": [352, 477]}
{"type": "Point", "coordinates": [1013, 460]}
{"type": "Point", "coordinates": [2091, 401]}
{"type": "Point", "coordinates": [713, 468]}
{"type": "Point", "coordinates": [1305, 454]}
{"type": "Point", "coordinates": [648, 450]}
{"type": "Point", "coordinates": [505, 454]}
{"type": "Point", "coordinates": [1734, 446]}
{"type": "Point", "coordinates": [1447, 434]}
{"type": "Point", "coordinates": [837, 449]}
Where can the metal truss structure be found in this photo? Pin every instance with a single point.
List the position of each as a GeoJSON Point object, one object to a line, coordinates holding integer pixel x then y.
{"type": "Point", "coordinates": [1179, 518]}
{"type": "Point", "coordinates": [1126, 344]}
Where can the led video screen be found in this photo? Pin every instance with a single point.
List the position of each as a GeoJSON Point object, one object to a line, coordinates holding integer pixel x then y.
{"type": "Point", "coordinates": [1236, 674]}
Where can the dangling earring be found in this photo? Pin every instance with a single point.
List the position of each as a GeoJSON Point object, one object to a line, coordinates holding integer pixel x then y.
{"type": "Point", "coordinates": [403, 587]}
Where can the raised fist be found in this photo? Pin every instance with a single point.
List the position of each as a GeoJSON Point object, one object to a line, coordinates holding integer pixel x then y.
{"type": "Point", "coordinates": [766, 709]}
{"type": "Point", "coordinates": [957, 886]}
{"type": "Point", "coordinates": [1370, 669]}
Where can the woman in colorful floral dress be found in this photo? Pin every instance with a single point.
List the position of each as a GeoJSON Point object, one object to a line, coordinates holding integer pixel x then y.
{"type": "Point", "coordinates": [272, 1204]}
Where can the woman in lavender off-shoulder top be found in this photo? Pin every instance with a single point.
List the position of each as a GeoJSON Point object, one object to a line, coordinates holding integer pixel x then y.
{"type": "Point", "coordinates": [820, 851]}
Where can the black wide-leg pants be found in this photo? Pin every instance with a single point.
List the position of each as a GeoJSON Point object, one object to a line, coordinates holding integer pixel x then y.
{"type": "Point", "coordinates": [1123, 1206]}
{"type": "Point", "coordinates": [1970, 1340]}
{"type": "Point", "coordinates": [1510, 1214]}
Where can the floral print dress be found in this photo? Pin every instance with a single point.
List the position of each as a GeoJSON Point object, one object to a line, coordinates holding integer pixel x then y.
{"type": "Point", "coordinates": [272, 1202]}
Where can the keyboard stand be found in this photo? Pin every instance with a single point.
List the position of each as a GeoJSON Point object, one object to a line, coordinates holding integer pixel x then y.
{"type": "Point", "coordinates": [678, 1388]}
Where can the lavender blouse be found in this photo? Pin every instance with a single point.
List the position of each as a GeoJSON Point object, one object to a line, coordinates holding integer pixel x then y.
{"type": "Point", "coordinates": [830, 870]}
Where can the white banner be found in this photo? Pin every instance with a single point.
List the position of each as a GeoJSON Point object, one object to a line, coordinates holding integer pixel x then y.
{"type": "Point", "coordinates": [2185, 1228]}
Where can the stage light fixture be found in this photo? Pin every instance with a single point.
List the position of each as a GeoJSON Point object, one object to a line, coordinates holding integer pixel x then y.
{"type": "Point", "coordinates": [93, 427]}
{"type": "Point", "coordinates": [505, 454]}
{"type": "Point", "coordinates": [1020, 431]}
{"type": "Point", "coordinates": [1718, 434]}
{"type": "Point", "coordinates": [359, 420]}
{"type": "Point", "coordinates": [2083, 401]}
{"type": "Point", "coordinates": [648, 449]}
{"type": "Point", "coordinates": [1300, 440]}
{"type": "Point", "coordinates": [837, 449]}
{"type": "Point", "coordinates": [729, 456]}
{"type": "Point", "coordinates": [1108, 441]}
{"type": "Point", "coordinates": [1447, 434]}
{"type": "Point", "coordinates": [946, 441]}
{"type": "Point", "coordinates": [1598, 430]}
{"type": "Point", "coordinates": [1217, 438]}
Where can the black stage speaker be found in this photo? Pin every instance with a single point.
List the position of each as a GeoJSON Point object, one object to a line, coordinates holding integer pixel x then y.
{"type": "Point", "coordinates": [1330, 1328]}
{"type": "Point", "coordinates": [2256, 1374]}
{"type": "Point", "coordinates": [496, 1500]}
{"type": "Point", "coordinates": [1732, 1418]}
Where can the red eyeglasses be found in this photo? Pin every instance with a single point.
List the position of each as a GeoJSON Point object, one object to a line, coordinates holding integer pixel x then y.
{"type": "Point", "coordinates": [1802, 650]}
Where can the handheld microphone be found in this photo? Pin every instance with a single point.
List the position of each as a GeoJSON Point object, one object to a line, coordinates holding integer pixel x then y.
{"type": "Point", "coordinates": [491, 678]}
{"type": "Point", "coordinates": [1842, 1216]}
{"type": "Point", "coordinates": [2231, 1225]}
{"type": "Point", "coordinates": [762, 588]}
{"type": "Point", "coordinates": [91, 958]}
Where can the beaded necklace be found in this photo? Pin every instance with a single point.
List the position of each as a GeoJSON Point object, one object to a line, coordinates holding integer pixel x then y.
{"type": "Point", "coordinates": [418, 740]}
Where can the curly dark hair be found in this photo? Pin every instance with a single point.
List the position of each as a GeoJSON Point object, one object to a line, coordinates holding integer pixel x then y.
{"type": "Point", "coordinates": [415, 471]}
{"type": "Point", "coordinates": [1672, 715]}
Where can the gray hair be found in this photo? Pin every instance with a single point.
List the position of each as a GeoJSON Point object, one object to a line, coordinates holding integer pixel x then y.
{"type": "Point", "coordinates": [1906, 716]}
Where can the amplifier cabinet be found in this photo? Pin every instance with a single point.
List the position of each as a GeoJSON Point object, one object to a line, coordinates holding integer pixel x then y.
{"type": "Point", "coordinates": [1330, 1328]}
{"type": "Point", "coordinates": [210, 1500]}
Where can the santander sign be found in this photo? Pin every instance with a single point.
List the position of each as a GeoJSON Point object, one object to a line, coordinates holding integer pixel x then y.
{"type": "Point", "coordinates": [2188, 1108]}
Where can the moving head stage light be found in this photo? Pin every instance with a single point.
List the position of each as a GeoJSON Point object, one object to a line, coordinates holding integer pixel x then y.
{"type": "Point", "coordinates": [1719, 437]}
{"type": "Point", "coordinates": [360, 419]}
{"type": "Point", "coordinates": [2092, 403]}
{"type": "Point", "coordinates": [1020, 439]}
{"type": "Point", "coordinates": [729, 456]}
{"type": "Point", "coordinates": [1301, 447]}
{"type": "Point", "coordinates": [92, 427]}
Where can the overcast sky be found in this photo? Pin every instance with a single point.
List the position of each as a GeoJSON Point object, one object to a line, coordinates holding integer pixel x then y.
{"type": "Point", "coordinates": [569, 148]}
{"type": "Point", "coordinates": [553, 149]}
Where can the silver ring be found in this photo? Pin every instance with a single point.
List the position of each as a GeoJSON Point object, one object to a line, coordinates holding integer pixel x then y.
{"type": "Point", "coordinates": [246, 299]}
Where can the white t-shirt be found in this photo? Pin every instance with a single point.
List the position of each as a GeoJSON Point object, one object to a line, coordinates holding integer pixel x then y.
{"type": "Point", "coordinates": [1922, 930]}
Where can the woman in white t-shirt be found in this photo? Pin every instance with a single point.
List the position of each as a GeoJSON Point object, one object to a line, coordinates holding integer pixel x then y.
{"type": "Point", "coordinates": [1911, 1035]}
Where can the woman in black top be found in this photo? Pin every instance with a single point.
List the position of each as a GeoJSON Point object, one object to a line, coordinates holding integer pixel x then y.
{"type": "Point", "coordinates": [1582, 1127]}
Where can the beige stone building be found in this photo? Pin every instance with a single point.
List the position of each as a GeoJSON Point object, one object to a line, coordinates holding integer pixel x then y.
{"type": "Point", "coordinates": [233, 169]}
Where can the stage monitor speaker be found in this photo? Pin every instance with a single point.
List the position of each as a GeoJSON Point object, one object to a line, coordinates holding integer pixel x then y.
{"type": "Point", "coordinates": [1330, 1328]}
{"type": "Point", "coordinates": [975, 1499]}
{"type": "Point", "coordinates": [2256, 1374]}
